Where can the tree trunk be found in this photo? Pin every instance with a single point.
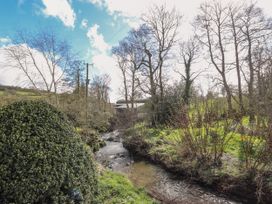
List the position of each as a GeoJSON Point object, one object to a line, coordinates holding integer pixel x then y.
{"type": "Point", "coordinates": [188, 84]}
{"type": "Point", "coordinates": [237, 64]}
{"type": "Point", "coordinates": [251, 82]}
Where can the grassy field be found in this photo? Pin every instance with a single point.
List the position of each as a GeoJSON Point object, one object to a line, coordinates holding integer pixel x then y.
{"type": "Point", "coordinates": [12, 94]}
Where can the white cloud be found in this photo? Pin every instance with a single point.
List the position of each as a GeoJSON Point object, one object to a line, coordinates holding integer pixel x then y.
{"type": "Point", "coordinates": [106, 64]}
{"type": "Point", "coordinates": [97, 2]}
{"type": "Point", "coordinates": [134, 9]}
{"type": "Point", "coordinates": [97, 39]}
{"type": "Point", "coordinates": [132, 22]}
{"type": "Point", "coordinates": [84, 23]}
{"type": "Point", "coordinates": [5, 40]}
{"type": "Point", "coordinates": [60, 9]}
{"type": "Point", "coordinates": [131, 11]}
{"type": "Point", "coordinates": [102, 59]}
{"type": "Point", "coordinates": [12, 75]}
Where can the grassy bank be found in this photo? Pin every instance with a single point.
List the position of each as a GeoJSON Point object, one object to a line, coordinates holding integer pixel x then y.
{"type": "Point", "coordinates": [115, 188]}
{"type": "Point", "coordinates": [166, 147]}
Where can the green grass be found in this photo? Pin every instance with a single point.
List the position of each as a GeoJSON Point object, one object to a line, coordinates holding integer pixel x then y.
{"type": "Point", "coordinates": [174, 136]}
{"type": "Point", "coordinates": [165, 142]}
{"type": "Point", "coordinates": [12, 94]}
{"type": "Point", "coordinates": [115, 188]}
{"type": "Point", "coordinates": [25, 93]}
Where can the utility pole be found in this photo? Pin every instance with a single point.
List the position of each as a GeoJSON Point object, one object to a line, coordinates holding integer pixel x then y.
{"type": "Point", "coordinates": [87, 90]}
{"type": "Point", "coordinates": [78, 82]}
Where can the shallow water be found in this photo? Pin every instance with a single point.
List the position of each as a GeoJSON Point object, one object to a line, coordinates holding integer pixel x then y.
{"type": "Point", "coordinates": [160, 184]}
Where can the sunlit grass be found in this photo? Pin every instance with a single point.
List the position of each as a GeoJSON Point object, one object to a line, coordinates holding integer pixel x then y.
{"type": "Point", "coordinates": [115, 188]}
{"type": "Point", "coordinates": [174, 136]}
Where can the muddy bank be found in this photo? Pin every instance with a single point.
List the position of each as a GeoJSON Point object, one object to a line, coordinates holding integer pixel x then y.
{"type": "Point", "coordinates": [241, 189]}
{"type": "Point", "coordinates": [160, 184]}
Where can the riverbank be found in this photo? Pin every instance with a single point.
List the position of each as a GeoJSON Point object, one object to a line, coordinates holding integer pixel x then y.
{"type": "Point", "coordinates": [116, 188]}
{"type": "Point", "coordinates": [226, 179]}
{"type": "Point", "coordinates": [165, 187]}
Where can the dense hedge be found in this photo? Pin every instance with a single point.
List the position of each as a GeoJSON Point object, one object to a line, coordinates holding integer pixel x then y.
{"type": "Point", "coordinates": [42, 159]}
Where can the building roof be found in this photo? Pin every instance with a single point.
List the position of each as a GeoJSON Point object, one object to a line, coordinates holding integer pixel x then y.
{"type": "Point", "coordinates": [124, 105]}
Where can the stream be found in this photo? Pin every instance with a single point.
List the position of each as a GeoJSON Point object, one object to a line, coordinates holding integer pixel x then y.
{"type": "Point", "coordinates": [160, 184]}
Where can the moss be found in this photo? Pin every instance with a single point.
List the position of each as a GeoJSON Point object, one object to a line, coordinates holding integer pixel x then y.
{"type": "Point", "coordinates": [115, 188]}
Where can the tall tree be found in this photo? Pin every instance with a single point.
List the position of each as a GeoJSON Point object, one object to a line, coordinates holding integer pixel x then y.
{"type": "Point", "coordinates": [74, 75]}
{"type": "Point", "coordinates": [31, 49]}
{"type": "Point", "coordinates": [100, 88]}
{"type": "Point", "coordinates": [129, 59]}
{"type": "Point", "coordinates": [147, 81]}
{"type": "Point", "coordinates": [189, 52]}
{"type": "Point", "coordinates": [254, 26]}
{"type": "Point", "coordinates": [212, 27]}
{"type": "Point", "coordinates": [163, 26]}
{"type": "Point", "coordinates": [120, 55]}
{"type": "Point", "coordinates": [235, 21]}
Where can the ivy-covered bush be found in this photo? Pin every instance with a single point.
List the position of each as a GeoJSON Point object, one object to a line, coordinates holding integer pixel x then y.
{"type": "Point", "coordinates": [42, 159]}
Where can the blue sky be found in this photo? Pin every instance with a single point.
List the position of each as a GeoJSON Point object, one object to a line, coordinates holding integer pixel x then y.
{"type": "Point", "coordinates": [29, 15]}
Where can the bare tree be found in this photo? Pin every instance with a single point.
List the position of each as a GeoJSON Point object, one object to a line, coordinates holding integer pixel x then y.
{"type": "Point", "coordinates": [129, 59]}
{"type": "Point", "coordinates": [189, 52]}
{"type": "Point", "coordinates": [122, 65]}
{"type": "Point", "coordinates": [146, 50]}
{"type": "Point", "coordinates": [163, 26]}
{"type": "Point", "coordinates": [264, 78]}
{"type": "Point", "coordinates": [254, 26]}
{"type": "Point", "coordinates": [100, 88]}
{"type": "Point", "coordinates": [17, 58]}
{"type": "Point", "coordinates": [155, 39]}
{"type": "Point", "coordinates": [149, 84]}
{"type": "Point", "coordinates": [32, 49]}
{"type": "Point", "coordinates": [235, 22]}
{"type": "Point", "coordinates": [74, 75]}
{"type": "Point", "coordinates": [142, 49]}
{"type": "Point", "coordinates": [212, 24]}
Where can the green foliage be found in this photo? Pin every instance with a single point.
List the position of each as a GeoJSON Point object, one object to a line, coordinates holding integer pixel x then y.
{"type": "Point", "coordinates": [99, 120]}
{"type": "Point", "coordinates": [42, 159]}
{"type": "Point", "coordinates": [91, 138]}
{"type": "Point", "coordinates": [74, 106]}
{"type": "Point", "coordinates": [255, 153]}
{"type": "Point", "coordinates": [116, 189]}
{"type": "Point", "coordinates": [165, 152]}
{"type": "Point", "coordinates": [159, 144]}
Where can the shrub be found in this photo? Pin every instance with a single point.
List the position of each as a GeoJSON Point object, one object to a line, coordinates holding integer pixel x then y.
{"type": "Point", "coordinates": [92, 138]}
{"type": "Point", "coordinates": [42, 159]}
